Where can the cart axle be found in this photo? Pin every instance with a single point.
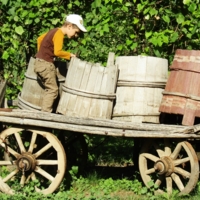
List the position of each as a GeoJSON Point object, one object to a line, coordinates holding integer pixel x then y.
{"type": "Point", "coordinates": [26, 162]}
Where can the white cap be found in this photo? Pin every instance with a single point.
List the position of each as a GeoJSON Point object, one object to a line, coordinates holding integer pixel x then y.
{"type": "Point", "coordinates": [77, 20]}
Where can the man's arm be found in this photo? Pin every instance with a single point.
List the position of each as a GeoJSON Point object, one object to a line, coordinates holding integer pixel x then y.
{"type": "Point", "coordinates": [39, 40]}
{"type": "Point", "coordinates": [58, 44]}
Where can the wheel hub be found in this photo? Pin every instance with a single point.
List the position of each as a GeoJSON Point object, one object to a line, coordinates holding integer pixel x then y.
{"type": "Point", "coordinates": [26, 162]}
{"type": "Point", "coordinates": [164, 166]}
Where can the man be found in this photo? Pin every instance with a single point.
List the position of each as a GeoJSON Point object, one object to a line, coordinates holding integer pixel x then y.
{"type": "Point", "coordinates": [50, 46]}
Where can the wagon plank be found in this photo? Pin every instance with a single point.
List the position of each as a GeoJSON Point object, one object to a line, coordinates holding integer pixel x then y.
{"type": "Point", "coordinates": [88, 121]}
{"type": "Point", "coordinates": [63, 122]}
{"type": "Point", "coordinates": [97, 130]}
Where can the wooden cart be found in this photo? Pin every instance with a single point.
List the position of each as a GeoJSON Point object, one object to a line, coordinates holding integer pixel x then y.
{"type": "Point", "coordinates": [34, 148]}
{"type": "Point", "coordinates": [167, 156]}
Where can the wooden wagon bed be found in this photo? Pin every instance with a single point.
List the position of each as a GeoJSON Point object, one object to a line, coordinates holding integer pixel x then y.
{"type": "Point", "coordinates": [165, 151]}
{"type": "Point", "coordinates": [97, 126]}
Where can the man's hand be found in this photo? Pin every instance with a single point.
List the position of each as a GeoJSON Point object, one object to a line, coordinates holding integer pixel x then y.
{"type": "Point", "coordinates": [72, 55]}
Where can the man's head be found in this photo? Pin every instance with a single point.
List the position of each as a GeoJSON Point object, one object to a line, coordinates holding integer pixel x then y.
{"type": "Point", "coordinates": [73, 25]}
{"type": "Point", "coordinates": [76, 20]}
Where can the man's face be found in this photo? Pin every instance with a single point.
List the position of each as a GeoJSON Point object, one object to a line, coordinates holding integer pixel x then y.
{"type": "Point", "coordinates": [72, 32]}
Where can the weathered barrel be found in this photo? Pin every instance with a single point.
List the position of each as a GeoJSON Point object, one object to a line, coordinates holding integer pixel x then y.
{"type": "Point", "coordinates": [2, 92]}
{"type": "Point", "coordinates": [89, 89]}
{"type": "Point", "coordinates": [32, 92]}
{"type": "Point", "coordinates": [182, 95]}
{"type": "Point", "coordinates": [139, 88]}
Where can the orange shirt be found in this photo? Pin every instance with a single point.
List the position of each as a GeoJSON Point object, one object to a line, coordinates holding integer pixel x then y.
{"type": "Point", "coordinates": [57, 40]}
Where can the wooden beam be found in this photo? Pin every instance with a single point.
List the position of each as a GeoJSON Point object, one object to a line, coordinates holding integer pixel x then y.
{"type": "Point", "coordinates": [96, 130]}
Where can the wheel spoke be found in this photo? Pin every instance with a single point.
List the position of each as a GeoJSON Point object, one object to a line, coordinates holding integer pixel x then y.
{"type": "Point", "coordinates": [32, 143]}
{"type": "Point", "coordinates": [158, 192]}
{"type": "Point", "coordinates": [44, 173]}
{"type": "Point", "coordinates": [33, 176]}
{"type": "Point", "coordinates": [158, 181]}
{"type": "Point", "coordinates": [181, 161]}
{"type": "Point", "coordinates": [9, 176]}
{"type": "Point", "coordinates": [168, 151]}
{"type": "Point", "coordinates": [22, 181]}
{"type": "Point", "coordinates": [28, 178]}
{"type": "Point", "coordinates": [41, 151]}
{"type": "Point", "coordinates": [20, 143]}
{"type": "Point", "coordinates": [10, 150]}
{"type": "Point", "coordinates": [6, 162]}
{"type": "Point", "coordinates": [182, 172]}
{"type": "Point", "coordinates": [47, 162]}
{"type": "Point", "coordinates": [167, 147]}
{"type": "Point", "coordinates": [150, 157]}
{"type": "Point", "coordinates": [169, 185]}
{"type": "Point", "coordinates": [160, 152]}
{"type": "Point", "coordinates": [178, 181]}
{"type": "Point", "coordinates": [176, 151]}
{"type": "Point", "coordinates": [150, 171]}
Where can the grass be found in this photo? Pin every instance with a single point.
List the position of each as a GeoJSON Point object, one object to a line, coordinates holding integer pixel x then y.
{"type": "Point", "coordinates": [93, 185]}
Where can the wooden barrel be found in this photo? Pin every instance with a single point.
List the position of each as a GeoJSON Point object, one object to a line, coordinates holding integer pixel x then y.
{"type": "Point", "coordinates": [139, 88]}
{"type": "Point", "coordinates": [89, 89]}
{"type": "Point", "coordinates": [32, 92]}
{"type": "Point", "coordinates": [182, 94]}
{"type": "Point", "coordinates": [2, 92]}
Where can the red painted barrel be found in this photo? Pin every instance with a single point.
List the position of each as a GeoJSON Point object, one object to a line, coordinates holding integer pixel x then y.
{"type": "Point", "coordinates": [182, 92]}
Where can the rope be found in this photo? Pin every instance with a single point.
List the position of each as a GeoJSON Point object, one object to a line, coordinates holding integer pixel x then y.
{"type": "Point", "coordinates": [22, 103]}
{"type": "Point", "coordinates": [188, 96]}
{"type": "Point", "coordinates": [141, 84]}
{"type": "Point", "coordinates": [88, 94]}
{"type": "Point", "coordinates": [135, 114]}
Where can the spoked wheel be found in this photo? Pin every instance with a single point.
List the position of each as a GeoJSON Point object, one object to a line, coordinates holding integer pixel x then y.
{"type": "Point", "coordinates": [76, 148]}
{"type": "Point", "coordinates": [34, 155]}
{"type": "Point", "coordinates": [169, 166]}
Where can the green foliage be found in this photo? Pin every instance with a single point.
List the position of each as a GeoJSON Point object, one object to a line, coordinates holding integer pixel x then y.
{"type": "Point", "coordinates": [117, 151]}
{"type": "Point", "coordinates": [3, 171]}
{"type": "Point", "coordinates": [94, 187]}
{"type": "Point", "coordinates": [154, 28]}
{"type": "Point", "coordinates": [21, 22]}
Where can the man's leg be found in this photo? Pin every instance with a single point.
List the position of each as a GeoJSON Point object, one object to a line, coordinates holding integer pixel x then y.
{"type": "Point", "coordinates": [47, 72]}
